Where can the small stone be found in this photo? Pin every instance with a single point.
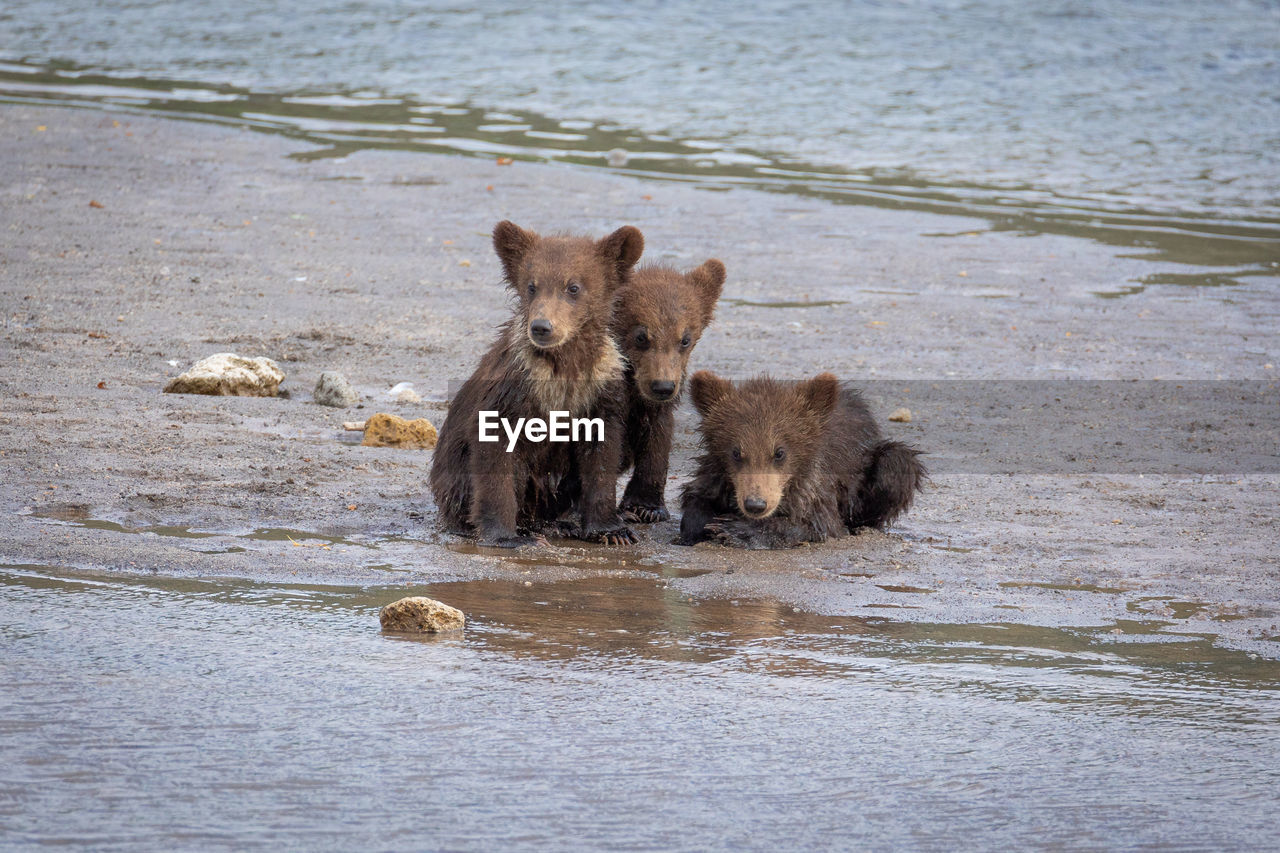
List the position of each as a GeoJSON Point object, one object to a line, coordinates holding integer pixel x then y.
{"type": "Point", "coordinates": [229, 375]}
{"type": "Point", "coordinates": [617, 157]}
{"type": "Point", "coordinates": [383, 430]}
{"type": "Point", "coordinates": [418, 614]}
{"type": "Point", "coordinates": [902, 416]}
{"type": "Point", "coordinates": [333, 389]}
{"type": "Point", "coordinates": [403, 392]}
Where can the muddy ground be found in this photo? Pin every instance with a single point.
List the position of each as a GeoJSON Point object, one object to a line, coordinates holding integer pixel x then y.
{"type": "Point", "coordinates": [133, 246]}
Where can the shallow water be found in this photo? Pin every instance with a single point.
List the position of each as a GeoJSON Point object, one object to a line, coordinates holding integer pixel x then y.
{"type": "Point", "coordinates": [606, 711]}
{"type": "Point", "coordinates": [1143, 124]}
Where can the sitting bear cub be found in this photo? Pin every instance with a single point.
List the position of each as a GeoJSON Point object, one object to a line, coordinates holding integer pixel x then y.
{"type": "Point", "coordinates": [555, 354]}
{"type": "Point", "coordinates": [661, 315]}
{"type": "Point", "coordinates": [786, 463]}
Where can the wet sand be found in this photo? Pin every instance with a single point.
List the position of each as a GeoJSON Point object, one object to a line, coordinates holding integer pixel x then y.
{"type": "Point", "coordinates": [208, 239]}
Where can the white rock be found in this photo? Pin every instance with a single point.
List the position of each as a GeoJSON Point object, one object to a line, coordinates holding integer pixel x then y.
{"type": "Point", "coordinates": [229, 375]}
{"type": "Point", "coordinates": [403, 393]}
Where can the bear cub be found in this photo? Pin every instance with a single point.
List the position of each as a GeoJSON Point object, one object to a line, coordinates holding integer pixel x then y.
{"type": "Point", "coordinates": [555, 354]}
{"type": "Point", "coordinates": [786, 463]}
{"type": "Point", "coordinates": [661, 315]}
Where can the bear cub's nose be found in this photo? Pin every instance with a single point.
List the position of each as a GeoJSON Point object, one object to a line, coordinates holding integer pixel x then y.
{"type": "Point", "coordinates": [540, 329]}
{"type": "Point", "coordinates": [662, 389]}
{"type": "Point", "coordinates": [755, 506]}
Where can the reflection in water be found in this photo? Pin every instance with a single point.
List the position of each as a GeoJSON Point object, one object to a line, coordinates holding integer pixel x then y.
{"type": "Point", "coordinates": [610, 709]}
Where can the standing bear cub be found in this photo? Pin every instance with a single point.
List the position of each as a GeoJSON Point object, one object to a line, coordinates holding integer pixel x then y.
{"type": "Point", "coordinates": [660, 317]}
{"type": "Point", "coordinates": [555, 355]}
{"type": "Point", "coordinates": [786, 463]}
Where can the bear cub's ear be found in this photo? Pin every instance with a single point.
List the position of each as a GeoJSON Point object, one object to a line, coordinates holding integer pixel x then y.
{"type": "Point", "coordinates": [621, 249]}
{"type": "Point", "coordinates": [512, 243]}
{"type": "Point", "coordinates": [709, 281]}
{"type": "Point", "coordinates": [821, 394]}
{"type": "Point", "coordinates": [707, 390]}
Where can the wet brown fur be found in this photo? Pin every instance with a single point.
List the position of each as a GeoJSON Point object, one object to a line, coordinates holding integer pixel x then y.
{"type": "Point", "coordinates": [570, 283]}
{"type": "Point", "coordinates": [786, 463]}
{"type": "Point", "coordinates": [660, 317]}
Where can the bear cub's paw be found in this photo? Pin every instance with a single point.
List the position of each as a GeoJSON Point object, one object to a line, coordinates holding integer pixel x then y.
{"type": "Point", "coordinates": [522, 540]}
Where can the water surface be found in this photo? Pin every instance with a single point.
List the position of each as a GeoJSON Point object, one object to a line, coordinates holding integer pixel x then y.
{"type": "Point", "coordinates": [1146, 124]}
{"type": "Point", "coordinates": [606, 711]}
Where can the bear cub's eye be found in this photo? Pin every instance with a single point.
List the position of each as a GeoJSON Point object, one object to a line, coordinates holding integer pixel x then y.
{"type": "Point", "coordinates": [779, 454]}
{"type": "Point", "coordinates": [642, 339]}
{"type": "Point", "coordinates": [573, 288]}
{"type": "Point", "coordinates": [685, 341]}
{"type": "Point", "coordinates": [736, 454]}
{"type": "Point", "coordinates": [533, 287]}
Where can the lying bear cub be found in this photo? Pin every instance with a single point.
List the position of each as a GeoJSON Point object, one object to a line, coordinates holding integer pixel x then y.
{"type": "Point", "coordinates": [785, 463]}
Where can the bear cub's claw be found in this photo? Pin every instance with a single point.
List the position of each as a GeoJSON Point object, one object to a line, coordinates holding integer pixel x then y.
{"type": "Point", "coordinates": [618, 536]}
{"type": "Point", "coordinates": [645, 514]}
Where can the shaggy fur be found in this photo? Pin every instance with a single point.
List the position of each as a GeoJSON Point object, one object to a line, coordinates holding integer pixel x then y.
{"type": "Point", "coordinates": [661, 315]}
{"type": "Point", "coordinates": [555, 353]}
{"type": "Point", "coordinates": [788, 463]}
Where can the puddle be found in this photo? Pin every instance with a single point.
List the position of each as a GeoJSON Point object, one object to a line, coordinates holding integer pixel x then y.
{"type": "Point", "coordinates": [571, 554]}
{"type": "Point", "coordinates": [1063, 587]}
{"type": "Point", "coordinates": [561, 554]}
{"type": "Point", "coordinates": [1168, 606]}
{"type": "Point", "coordinates": [1122, 290]}
{"type": "Point", "coordinates": [302, 537]}
{"type": "Point", "coordinates": [935, 542]}
{"type": "Point", "coordinates": [898, 588]}
{"type": "Point", "coordinates": [75, 516]}
{"type": "Point", "coordinates": [1206, 279]}
{"type": "Point", "coordinates": [818, 303]}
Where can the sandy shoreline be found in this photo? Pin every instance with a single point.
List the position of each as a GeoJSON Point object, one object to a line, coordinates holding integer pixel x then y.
{"type": "Point", "coordinates": [378, 265]}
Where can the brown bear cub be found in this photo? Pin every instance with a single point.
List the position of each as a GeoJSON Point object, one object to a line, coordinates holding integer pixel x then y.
{"type": "Point", "coordinates": [660, 316]}
{"type": "Point", "coordinates": [786, 463]}
{"type": "Point", "coordinates": [555, 354]}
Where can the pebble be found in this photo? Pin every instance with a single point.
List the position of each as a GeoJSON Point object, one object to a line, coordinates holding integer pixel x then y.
{"type": "Point", "coordinates": [403, 393]}
{"type": "Point", "coordinates": [229, 375]}
{"type": "Point", "coordinates": [383, 430]}
{"type": "Point", "coordinates": [902, 416]}
{"type": "Point", "coordinates": [418, 614]}
{"type": "Point", "coordinates": [333, 389]}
